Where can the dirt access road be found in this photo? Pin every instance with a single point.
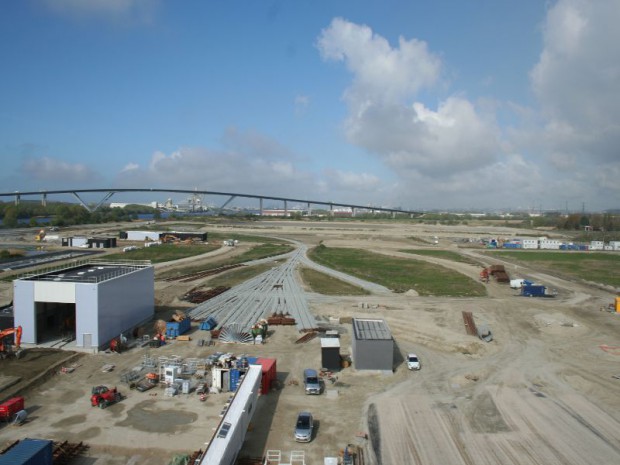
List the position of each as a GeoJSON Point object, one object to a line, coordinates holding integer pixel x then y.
{"type": "Point", "coordinates": [542, 392]}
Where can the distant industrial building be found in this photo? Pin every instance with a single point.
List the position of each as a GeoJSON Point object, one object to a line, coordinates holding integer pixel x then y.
{"type": "Point", "coordinates": [89, 242]}
{"type": "Point", "coordinates": [91, 302]}
{"type": "Point", "coordinates": [158, 235]}
{"type": "Point", "coordinates": [373, 345]}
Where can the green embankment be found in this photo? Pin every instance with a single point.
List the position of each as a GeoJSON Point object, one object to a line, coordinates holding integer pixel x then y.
{"type": "Point", "coordinates": [398, 274]}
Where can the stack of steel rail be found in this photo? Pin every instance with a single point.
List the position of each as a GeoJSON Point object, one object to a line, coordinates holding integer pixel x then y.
{"type": "Point", "coordinates": [274, 291]}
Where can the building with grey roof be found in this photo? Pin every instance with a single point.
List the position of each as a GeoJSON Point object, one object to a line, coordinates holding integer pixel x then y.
{"type": "Point", "coordinates": [372, 344]}
{"type": "Point", "coordinates": [91, 302]}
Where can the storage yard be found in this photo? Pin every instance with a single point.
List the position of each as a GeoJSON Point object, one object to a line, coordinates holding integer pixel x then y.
{"type": "Point", "coordinates": [536, 383]}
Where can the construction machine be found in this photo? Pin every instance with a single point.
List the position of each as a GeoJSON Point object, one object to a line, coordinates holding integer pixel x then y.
{"type": "Point", "coordinates": [170, 239]}
{"type": "Point", "coordinates": [40, 236]}
{"type": "Point", "coordinates": [102, 396]}
{"type": "Point", "coordinates": [6, 348]}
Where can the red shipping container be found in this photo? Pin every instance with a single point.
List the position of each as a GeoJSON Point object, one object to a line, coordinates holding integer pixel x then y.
{"type": "Point", "coordinates": [269, 373]}
{"type": "Point", "coordinates": [11, 407]}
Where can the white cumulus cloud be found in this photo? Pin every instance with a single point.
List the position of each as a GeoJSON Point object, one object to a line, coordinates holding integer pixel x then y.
{"type": "Point", "coordinates": [381, 72]}
{"type": "Point", "coordinates": [53, 170]}
{"type": "Point", "coordinates": [563, 150]}
{"type": "Point", "coordinates": [385, 118]}
{"type": "Point", "coordinates": [577, 81]}
{"type": "Point", "coordinates": [136, 10]}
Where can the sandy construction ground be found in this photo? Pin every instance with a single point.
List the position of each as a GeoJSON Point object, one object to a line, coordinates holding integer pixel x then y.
{"type": "Point", "coordinates": [542, 392]}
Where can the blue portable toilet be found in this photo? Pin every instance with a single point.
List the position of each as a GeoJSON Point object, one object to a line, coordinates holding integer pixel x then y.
{"type": "Point", "coordinates": [235, 375]}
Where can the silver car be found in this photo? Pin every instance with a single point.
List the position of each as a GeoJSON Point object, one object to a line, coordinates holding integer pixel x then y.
{"type": "Point", "coordinates": [304, 427]}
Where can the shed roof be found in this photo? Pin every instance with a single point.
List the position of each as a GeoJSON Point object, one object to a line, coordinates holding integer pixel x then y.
{"type": "Point", "coordinates": [93, 271]}
{"type": "Point", "coordinates": [365, 329]}
{"type": "Point", "coordinates": [330, 342]}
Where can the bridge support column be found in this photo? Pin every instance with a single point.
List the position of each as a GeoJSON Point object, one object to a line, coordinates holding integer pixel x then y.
{"type": "Point", "coordinates": [232, 197]}
{"type": "Point", "coordinates": [260, 201]}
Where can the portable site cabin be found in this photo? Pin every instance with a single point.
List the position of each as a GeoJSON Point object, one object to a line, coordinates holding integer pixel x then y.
{"type": "Point", "coordinates": [330, 353]}
{"type": "Point", "coordinates": [530, 243]}
{"type": "Point", "coordinates": [225, 443]}
{"type": "Point", "coordinates": [373, 345]}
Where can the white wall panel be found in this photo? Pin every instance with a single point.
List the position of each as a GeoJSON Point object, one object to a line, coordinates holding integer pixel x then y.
{"type": "Point", "coordinates": [54, 291]}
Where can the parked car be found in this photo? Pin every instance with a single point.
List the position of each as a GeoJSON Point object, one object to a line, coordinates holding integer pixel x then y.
{"type": "Point", "coordinates": [304, 427]}
{"type": "Point", "coordinates": [413, 362]}
{"type": "Point", "coordinates": [312, 385]}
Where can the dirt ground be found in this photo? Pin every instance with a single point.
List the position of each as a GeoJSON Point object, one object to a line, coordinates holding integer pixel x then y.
{"type": "Point", "coordinates": [542, 392]}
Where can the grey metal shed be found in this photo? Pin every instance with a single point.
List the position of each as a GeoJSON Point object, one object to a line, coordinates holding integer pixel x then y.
{"type": "Point", "coordinates": [373, 345]}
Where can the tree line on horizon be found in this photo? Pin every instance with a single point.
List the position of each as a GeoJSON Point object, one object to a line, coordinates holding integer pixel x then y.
{"type": "Point", "coordinates": [69, 214]}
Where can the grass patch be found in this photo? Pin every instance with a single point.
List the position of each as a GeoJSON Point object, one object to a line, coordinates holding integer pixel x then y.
{"type": "Point", "coordinates": [264, 251]}
{"type": "Point", "coordinates": [590, 266]}
{"type": "Point", "coordinates": [444, 254]}
{"type": "Point", "coordinates": [328, 285]}
{"type": "Point", "coordinates": [218, 236]}
{"type": "Point", "coordinates": [419, 240]}
{"type": "Point", "coordinates": [240, 275]}
{"type": "Point", "coordinates": [398, 274]}
{"type": "Point", "coordinates": [163, 253]}
{"type": "Point", "coordinates": [255, 253]}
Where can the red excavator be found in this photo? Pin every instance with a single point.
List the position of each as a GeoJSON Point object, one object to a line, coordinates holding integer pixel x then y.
{"type": "Point", "coordinates": [6, 348]}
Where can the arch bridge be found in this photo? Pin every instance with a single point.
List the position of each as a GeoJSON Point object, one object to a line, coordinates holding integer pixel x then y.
{"type": "Point", "coordinates": [108, 193]}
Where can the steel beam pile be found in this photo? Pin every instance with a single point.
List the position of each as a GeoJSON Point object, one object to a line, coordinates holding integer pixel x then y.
{"type": "Point", "coordinates": [274, 291]}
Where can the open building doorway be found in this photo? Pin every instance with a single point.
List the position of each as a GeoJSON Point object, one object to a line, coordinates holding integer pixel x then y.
{"type": "Point", "coordinates": [55, 321]}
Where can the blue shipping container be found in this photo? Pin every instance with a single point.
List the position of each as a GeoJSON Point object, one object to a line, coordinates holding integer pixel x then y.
{"type": "Point", "coordinates": [29, 452]}
{"type": "Point", "coordinates": [176, 328]}
{"type": "Point", "coordinates": [533, 291]}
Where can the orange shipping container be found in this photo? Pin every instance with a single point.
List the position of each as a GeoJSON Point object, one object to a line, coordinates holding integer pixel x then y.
{"type": "Point", "coordinates": [269, 374]}
{"type": "Point", "coordinates": [618, 304]}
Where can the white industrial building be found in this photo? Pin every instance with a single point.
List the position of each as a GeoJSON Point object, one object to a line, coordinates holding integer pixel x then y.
{"type": "Point", "coordinates": [92, 302]}
{"type": "Point", "coordinates": [142, 235]}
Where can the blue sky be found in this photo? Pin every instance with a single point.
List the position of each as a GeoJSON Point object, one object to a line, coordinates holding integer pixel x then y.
{"type": "Point", "coordinates": [486, 104]}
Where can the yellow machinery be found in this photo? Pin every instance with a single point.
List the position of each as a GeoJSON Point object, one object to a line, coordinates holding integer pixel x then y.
{"type": "Point", "coordinates": [40, 236]}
